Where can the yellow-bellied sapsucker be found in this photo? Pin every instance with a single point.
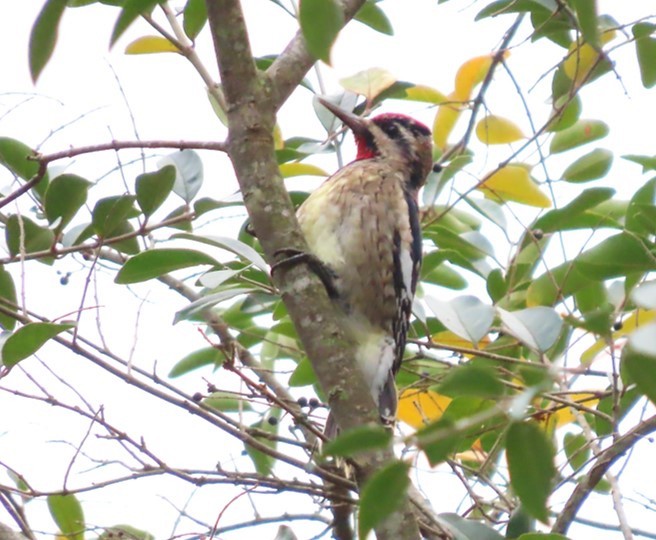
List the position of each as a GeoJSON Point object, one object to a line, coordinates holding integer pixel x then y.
{"type": "Point", "coordinates": [362, 224]}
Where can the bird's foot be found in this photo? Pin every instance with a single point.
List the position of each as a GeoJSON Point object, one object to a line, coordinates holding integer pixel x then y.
{"type": "Point", "coordinates": [292, 256]}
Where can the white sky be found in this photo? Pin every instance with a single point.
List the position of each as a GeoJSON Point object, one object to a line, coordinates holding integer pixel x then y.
{"type": "Point", "coordinates": [168, 101]}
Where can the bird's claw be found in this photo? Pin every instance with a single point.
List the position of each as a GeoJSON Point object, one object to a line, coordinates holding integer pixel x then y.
{"type": "Point", "coordinates": [293, 256]}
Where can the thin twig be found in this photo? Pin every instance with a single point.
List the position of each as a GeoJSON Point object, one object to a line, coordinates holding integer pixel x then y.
{"type": "Point", "coordinates": [603, 463]}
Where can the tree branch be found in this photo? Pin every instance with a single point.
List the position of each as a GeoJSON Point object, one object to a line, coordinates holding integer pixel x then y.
{"type": "Point", "coordinates": [603, 463]}
{"type": "Point", "coordinates": [123, 145]}
{"type": "Point", "coordinates": [288, 70]}
{"type": "Point", "coordinates": [250, 106]}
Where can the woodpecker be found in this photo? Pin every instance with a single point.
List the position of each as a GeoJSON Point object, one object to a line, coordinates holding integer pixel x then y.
{"type": "Point", "coordinates": [362, 226]}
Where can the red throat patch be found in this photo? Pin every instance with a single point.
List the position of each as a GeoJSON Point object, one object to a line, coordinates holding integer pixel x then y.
{"type": "Point", "coordinates": [365, 151]}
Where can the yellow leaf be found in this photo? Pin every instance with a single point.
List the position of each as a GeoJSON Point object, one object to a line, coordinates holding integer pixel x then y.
{"type": "Point", "coordinates": [514, 183]}
{"type": "Point", "coordinates": [475, 454]}
{"type": "Point", "coordinates": [449, 339]}
{"type": "Point", "coordinates": [278, 141]}
{"type": "Point", "coordinates": [638, 318]}
{"type": "Point", "coordinates": [425, 94]}
{"type": "Point", "coordinates": [150, 45]}
{"type": "Point", "coordinates": [295, 168]}
{"type": "Point", "coordinates": [216, 104]}
{"type": "Point", "coordinates": [419, 407]}
{"type": "Point", "coordinates": [560, 415]}
{"type": "Point", "coordinates": [580, 61]}
{"type": "Point", "coordinates": [445, 120]}
{"type": "Point", "coordinates": [582, 57]}
{"type": "Point", "coordinates": [369, 83]}
{"type": "Point", "coordinates": [497, 130]}
{"type": "Point", "coordinates": [471, 73]}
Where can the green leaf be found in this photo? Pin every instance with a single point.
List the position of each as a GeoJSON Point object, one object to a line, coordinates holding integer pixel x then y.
{"type": "Point", "coordinates": [467, 529]}
{"type": "Point", "coordinates": [23, 234]}
{"type": "Point", "coordinates": [357, 440]}
{"type": "Point", "coordinates": [195, 17]}
{"type": "Point", "coordinates": [7, 299]}
{"type": "Point", "coordinates": [566, 116]}
{"type": "Point", "coordinates": [646, 52]}
{"type": "Point", "coordinates": [586, 13]}
{"type": "Point", "coordinates": [152, 189]}
{"type": "Point", "coordinates": [465, 316]}
{"type": "Point", "coordinates": [14, 155]}
{"type": "Point", "coordinates": [131, 10]}
{"type": "Point", "coordinates": [639, 359]}
{"type": "Point", "coordinates": [188, 173]}
{"type": "Point", "coordinates": [593, 165]}
{"type": "Point", "coordinates": [496, 285]}
{"type": "Point", "coordinates": [208, 301]}
{"type": "Point", "coordinates": [28, 339]}
{"type": "Point", "coordinates": [576, 449]}
{"type": "Point", "coordinates": [640, 212]}
{"type": "Point", "coordinates": [616, 256]}
{"type": "Point", "coordinates": [182, 225]}
{"type": "Point", "coordinates": [381, 495]}
{"type": "Point", "coordinates": [374, 17]}
{"type": "Point", "coordinates": [321, 21]}
{"type": "Point", "coordinates": [67, 512]}
{"type": "Point", "coordinates": [64, 197]}
{"type": "Point", "coordinates": [608, 406]}
{"type": "Point", "coordinates": [559, 218]}
{"type": "Point", "coordinates": [444, 276]}
{"type": "Point", "coordinates": [44, 36]}
{"type": "Point", "coordinates": [530, 457]}
{"type": "Point", "coordinates": [501, 7]}
{"type": "Point", "coordinates": [551, 23]}
{"type": "Point", "coordinates": [153, 263]}
{"type": "Point", "coordinates": [227, 402]}
{"type": "Point", "coordinates": [583, 132]}
{"type": "Point", "coordinates": [208, 356]}
{"type": "Point", "coordinates": [110, 213]}
{"type": "Point", "coordinates": [471, 380]}
{"type": "Point", "coordinates": [648, 162]}
{"type": "Point", "coordinates": [519, 523]}
{"type": "Point", "coordinates": [303, 375]}
{"type": "Point", "coordinates": [243, 251]}
{"type": "Point", "coordinates": [536, 327]}
{"type": "Point", "coordinates": [264, 462]}
{"type": "Point", "coordinates": [215, 278]}
{"type": "Point", "coordinates": [129, 245]}
{"type": "Point", "coordinates": [438, 440]}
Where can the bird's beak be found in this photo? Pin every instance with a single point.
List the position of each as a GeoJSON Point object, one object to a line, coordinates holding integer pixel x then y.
{"type": "Point", "coordinates": [357, 124]}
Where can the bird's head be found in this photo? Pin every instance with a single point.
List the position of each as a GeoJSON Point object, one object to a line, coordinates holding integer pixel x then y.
{"type": "Point", "coordinates": [391, 136]}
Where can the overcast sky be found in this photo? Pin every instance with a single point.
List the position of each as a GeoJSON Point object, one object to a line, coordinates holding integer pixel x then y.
{"type": "Point", "coordinates": [168, 101]}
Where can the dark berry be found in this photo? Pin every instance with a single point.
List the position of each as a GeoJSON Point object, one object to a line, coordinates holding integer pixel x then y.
{"type": "Point", "coordinates": [313, 403]}
{"type": "Point", "coordinates": [197, 397]}
{"type": "Point", "coordinates": [302, 402]}
{"type": "Point", "coordinates": [273, 421]}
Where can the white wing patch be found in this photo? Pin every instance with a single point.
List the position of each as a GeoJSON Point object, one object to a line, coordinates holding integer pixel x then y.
{"type": "Point", "coordinates": [407, 270]}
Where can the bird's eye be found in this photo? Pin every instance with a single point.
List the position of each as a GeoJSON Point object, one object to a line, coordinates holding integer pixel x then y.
{"type": "Point", "coordinates": [392, 130]}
